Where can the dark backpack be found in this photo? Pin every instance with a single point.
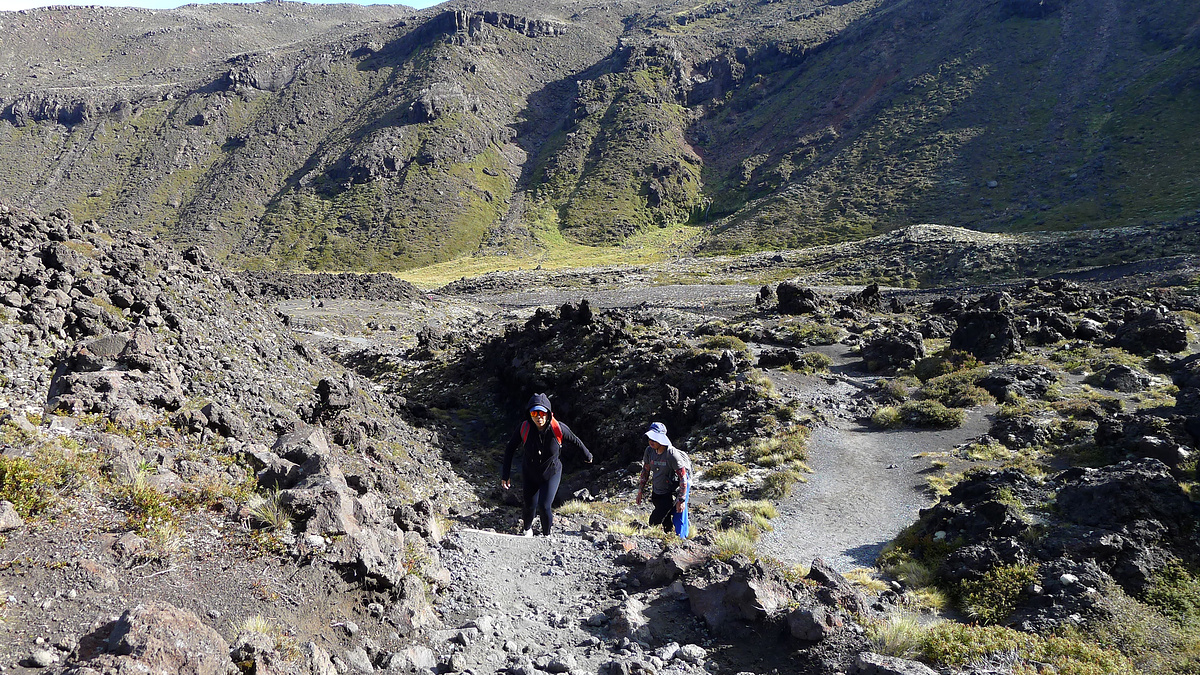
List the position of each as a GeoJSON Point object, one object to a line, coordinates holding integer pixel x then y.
{"type": "Point", "coordinates": [553, 427]}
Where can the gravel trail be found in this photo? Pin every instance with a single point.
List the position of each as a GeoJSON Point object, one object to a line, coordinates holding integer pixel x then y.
{"type": "Point", "coordinates": [865, 488]}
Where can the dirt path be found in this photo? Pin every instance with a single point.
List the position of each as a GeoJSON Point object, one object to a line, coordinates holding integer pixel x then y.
{"type": "Point", "coordinates": [866, 487]}
{"type": "Point", "coordinates": [867, 484]}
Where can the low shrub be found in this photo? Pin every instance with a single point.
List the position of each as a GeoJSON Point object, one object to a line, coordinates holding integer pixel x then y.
{"type": "Point", "coordinates": [956, 645]}
{"type": "Point", "coordinates": [944, 363]}
{"type": "Point", "coordinates": [809, 334]}
{"type": "Point", "coordinates": [957, 389]}
{"type": "Point", "coordinates": [724, 470]}
{"type": "Point", "coordinates": [1175, 593]}
{"type": "Point", "coordinates": [809, 363]}
{"type": "Point", "coordinates": [992, 597]}
{"type": "Point", "coordinates": [931, 414]}
{"type": "Point", "coordinates": [723, 342]}
{"type": "Point", "coordinates": [35, 484]}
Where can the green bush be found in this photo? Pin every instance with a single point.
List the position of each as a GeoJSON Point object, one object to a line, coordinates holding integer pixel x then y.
{"type": "Point", "coordinates": [723, 470]}
{"type": "Point", "coordinates": [946, 362]}
{"type": "Point", "coordinates": [35, 484]}
{"type": "Point", "coordinates": [1176, 594]}
{"type": "Point", "coordinates": [722, 342]}
{"type": "Point", "coordinates": [809, 363]}
{"type": "Point", "coordinates": [957, 389]}
{"type": "Point", "coordinates": [956, 645]}
{"type": "Point", "coordinates": [931, 414]}
{"type": "Point", "coordinates": [991, 598]}
{"type": "Point", "coordinates": [809, 334]}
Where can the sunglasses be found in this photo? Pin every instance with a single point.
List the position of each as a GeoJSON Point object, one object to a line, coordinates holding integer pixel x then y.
{"type": "Point", "coordinates": [538, 413]}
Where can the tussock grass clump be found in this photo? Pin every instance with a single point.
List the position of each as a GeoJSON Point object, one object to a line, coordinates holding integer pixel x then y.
{"type": "Point", "coordinates": [899, 635]}
{"type": "Point", "coordinates": [866, 579]}
{"type": "Point", "coordinates": [914, 573]}
{"type": "Point", "coordinates": [269, 511]}
{"type": "Point", "coordinates": [164, 540]}
{"type": "Point", "coordinates": [788, 447]}
{"type": "Point", "coordinates": [887, 417]}
{"type": "Point", "coordinates": [931, 414]}
{"type": "Point", "coordinates": [284, 643]}
{"type": "Point", "coordinates": [930, 597]}
{"type": "Point", "coordinates": [728, 543]}
{"type": "Point", "coordinates": [761, 512]}
{"type": "Point", "coordinates": [724, 470]}
{"type": "Point", "coordinates": [779, 484]}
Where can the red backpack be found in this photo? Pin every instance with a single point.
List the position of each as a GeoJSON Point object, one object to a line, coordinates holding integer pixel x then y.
{"type": "Point", "coordinates": [553, 427]}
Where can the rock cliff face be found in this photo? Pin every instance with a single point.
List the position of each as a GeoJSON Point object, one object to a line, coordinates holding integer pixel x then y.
{"type": "Point", "coordinates": [378, 138]}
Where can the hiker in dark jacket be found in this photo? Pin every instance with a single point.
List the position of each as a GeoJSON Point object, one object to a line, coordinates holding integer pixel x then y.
{"type": "Point", "coordinates": [541, 437]}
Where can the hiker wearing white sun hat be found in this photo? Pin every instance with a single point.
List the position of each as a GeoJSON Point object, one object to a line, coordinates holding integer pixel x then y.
{"type": "Point", "coordinates": [669, 472]}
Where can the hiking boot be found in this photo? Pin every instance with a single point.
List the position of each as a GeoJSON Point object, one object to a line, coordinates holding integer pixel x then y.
{"type": "Point", "coordinates": [527, 533]}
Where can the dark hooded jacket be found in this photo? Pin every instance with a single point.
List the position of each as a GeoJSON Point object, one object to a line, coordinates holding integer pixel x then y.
{"type": "Point", "coordinates": [541, 447]}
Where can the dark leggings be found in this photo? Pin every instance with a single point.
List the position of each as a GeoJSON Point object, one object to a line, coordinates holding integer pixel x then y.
{"type": "Point", "coordinates": [664, 508]}
{"type": "Point", "coordinates": [539, 493]}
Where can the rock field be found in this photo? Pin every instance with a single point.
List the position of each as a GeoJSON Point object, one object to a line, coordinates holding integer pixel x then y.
{"type": "Point", "coordinates": [216, 472]}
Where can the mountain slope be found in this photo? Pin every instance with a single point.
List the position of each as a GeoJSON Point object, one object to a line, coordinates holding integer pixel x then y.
{"type": "Point", "coordinates": [341, 137]}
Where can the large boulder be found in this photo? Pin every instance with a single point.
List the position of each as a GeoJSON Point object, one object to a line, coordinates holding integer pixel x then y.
{"type": "Point", "coordinates": [900, 347]}
{"type": "Point", "coordinates": [1123, 493]}
{"type": "Point", "coordinates": [1026, 381]}
{"type": "Point", "coordinates": [988, 336]}
{"type": "Point", "coordinates": [870, 663]}
{"type": "Point", "coordinates": [741, 591]}
{"type": "Point", "coordinates": [796, 299]}
{"type": "Point", "coordinates": [157, 639]}
{"type": "Point", "coordinates": [1152, 330]}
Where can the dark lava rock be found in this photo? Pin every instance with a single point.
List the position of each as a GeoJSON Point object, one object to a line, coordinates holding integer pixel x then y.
{"type": "Point", "coordinates": [794, 299]}
{"type": "Point", "coordinates": [1123, 493]}
{"type": "Point", "coordinates": [1152, 330]}
{"type": "Point", "coordinates": [1123, 378]}
{"type": "Point", "coordinates": [1026, 381]}
{"type": "Point", "coordinates": [868, 298]}
{"type": "Point", "coordinates": [900, 347]}
{"type": "Point", "coordinates": [988, 336]}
